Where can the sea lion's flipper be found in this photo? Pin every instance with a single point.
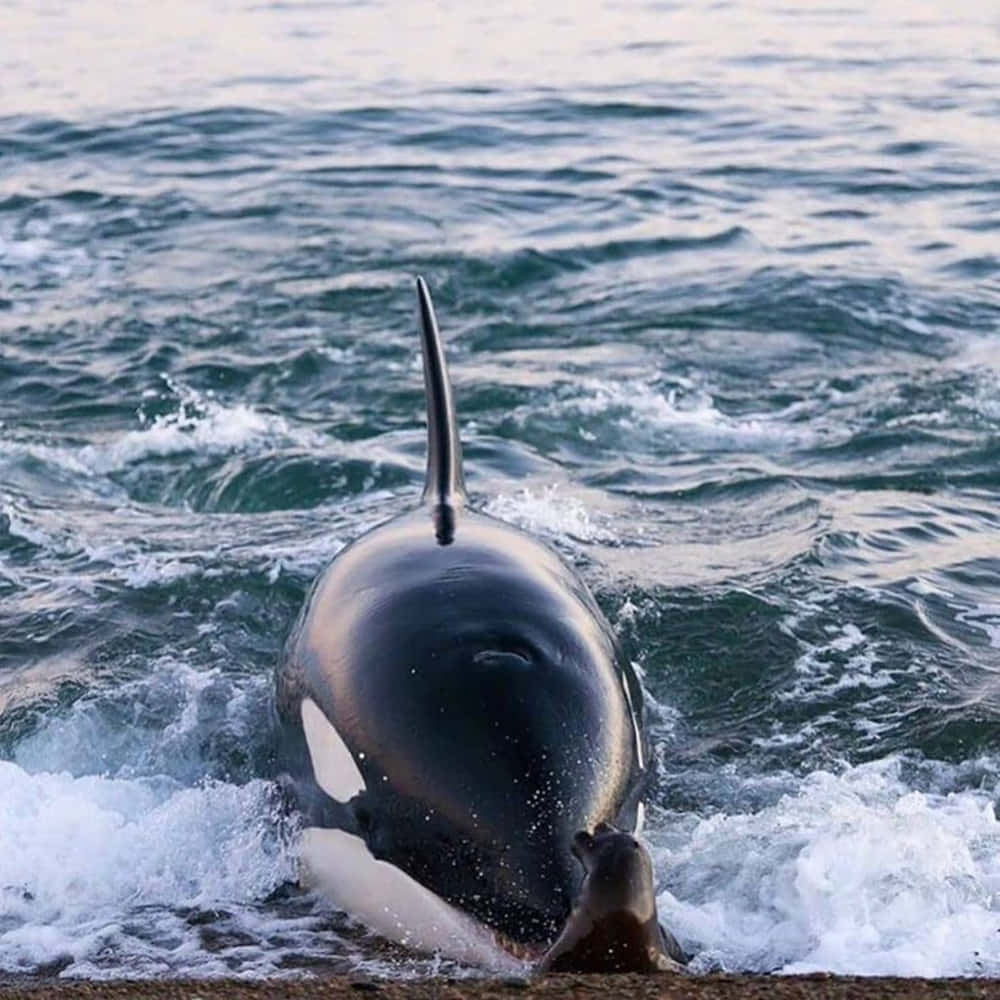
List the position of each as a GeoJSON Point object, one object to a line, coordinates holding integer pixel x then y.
{"type": "Point", "coordinates": [444, 488]}
{"type": "Point", "coordinates": [672, 947]}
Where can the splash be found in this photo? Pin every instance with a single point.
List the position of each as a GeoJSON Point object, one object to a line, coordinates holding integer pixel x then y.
{"type": "Point", "coordinates": [854, 872]}
{"type": "Point", "coordinates": [98, 874]}
{"type": "Point", "coordinates": [549, 512]}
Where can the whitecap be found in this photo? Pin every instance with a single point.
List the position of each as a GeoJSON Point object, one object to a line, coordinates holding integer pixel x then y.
{"type": "Point", "coordinates": [687, 413]}
{"type": "Point", "coordinates": [93, 869]}
{"type": "Point", "coordinates": [854, 872]}
{"type": "Point", "coordinates": [550, 512]}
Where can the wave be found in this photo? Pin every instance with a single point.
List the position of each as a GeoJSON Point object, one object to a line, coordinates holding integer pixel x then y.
{"type": "Point", "coordinates": [855, 871]}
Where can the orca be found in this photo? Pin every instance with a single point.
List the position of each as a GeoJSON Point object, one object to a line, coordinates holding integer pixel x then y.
{"type": "Point", "coordinates": [457, 709]}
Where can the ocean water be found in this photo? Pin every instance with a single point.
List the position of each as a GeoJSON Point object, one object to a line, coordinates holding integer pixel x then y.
{"type": "Point", "coordinates": [720, 284]}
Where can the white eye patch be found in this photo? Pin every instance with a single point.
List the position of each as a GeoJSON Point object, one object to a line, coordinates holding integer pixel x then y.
{"type": "Point", "coordinates": [335, 769]}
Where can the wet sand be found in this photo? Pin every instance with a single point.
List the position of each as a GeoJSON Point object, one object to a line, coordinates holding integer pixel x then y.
{"type": "Point", "coordinates": [665, 987]}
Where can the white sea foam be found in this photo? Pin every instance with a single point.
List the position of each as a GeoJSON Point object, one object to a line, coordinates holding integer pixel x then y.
{"type": "Point", "coordinates": [110, 836]}
{"type": "Point", "coordinates": [118, 545]}
{"type": "Point", "coordinates": [54, 247]}
{"type": "Point", "coordinates": [93, 870]}
{"type": "Point", "coordinates": [688, 414]}
{"type": "Point", "coordinates": [201, 424]}
{"type": "Point", "coordinates": [137, 568]}
{"type": "Point", "coordinates": [35, 251]}
{"type": "Point", "coordinates": [851, 872]}
{"type": "Point", "coordinates": [549, 512]}
{"type": "Point", "coordinates": [986, 619]}
{"type": "Point", "coordinates": [22, 252]}
{"type": "Point", "coordinates": [154, 726]}
{"type": "Point", "coordinates": [854, 872]}
{"type": "Point", "coordinates": [848, 660]}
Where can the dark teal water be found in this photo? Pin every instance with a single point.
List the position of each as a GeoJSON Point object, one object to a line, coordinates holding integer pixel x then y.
{"type": "Point", "coordinates": [721, 290]}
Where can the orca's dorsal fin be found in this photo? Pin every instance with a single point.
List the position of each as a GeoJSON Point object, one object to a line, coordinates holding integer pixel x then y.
{"type": "Point", "coordinates": [444, 489]}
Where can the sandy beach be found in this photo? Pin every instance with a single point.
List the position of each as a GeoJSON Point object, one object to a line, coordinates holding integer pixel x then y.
{"type": "Point", "coordinates": [814, 987]}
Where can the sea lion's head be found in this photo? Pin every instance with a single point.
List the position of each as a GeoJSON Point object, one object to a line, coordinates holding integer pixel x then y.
{"type": "Point", "coordinates": [619, 874]}
{"type": "Point", "coordinates": [613, 926]}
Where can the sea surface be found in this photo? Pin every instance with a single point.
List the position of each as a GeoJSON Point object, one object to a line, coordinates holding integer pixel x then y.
{"type": "Point", "coordinates": [720, 284]}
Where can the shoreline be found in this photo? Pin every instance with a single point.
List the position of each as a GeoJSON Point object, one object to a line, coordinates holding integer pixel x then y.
{"type": "Point", "coordinates": [556, 987]}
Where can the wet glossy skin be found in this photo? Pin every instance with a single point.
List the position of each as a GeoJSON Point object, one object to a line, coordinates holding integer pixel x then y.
{"type": "Point", "coordinates": [479, 689]}
{"type": "Point", "coordinates": [614, 926]}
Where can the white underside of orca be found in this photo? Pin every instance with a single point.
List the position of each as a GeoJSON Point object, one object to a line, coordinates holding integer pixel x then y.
{"type": "Point", "coordinates": [380, 895]}
{"type": "Point", "coordinates": [391, 903]}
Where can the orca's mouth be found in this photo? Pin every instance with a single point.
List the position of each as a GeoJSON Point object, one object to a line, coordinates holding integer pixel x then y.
{"type": "Point", "coordinates": [521, 950]}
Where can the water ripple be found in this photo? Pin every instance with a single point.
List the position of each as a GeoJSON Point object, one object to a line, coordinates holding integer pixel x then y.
{"type": "Point", "coordinates": [721, 311]}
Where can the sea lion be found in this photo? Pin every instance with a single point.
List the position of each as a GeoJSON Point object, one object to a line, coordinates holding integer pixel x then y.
{"type": "Point", "coordinates": [614, 925]}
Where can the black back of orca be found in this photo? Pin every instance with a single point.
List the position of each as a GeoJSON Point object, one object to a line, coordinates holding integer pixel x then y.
{"type": "Point", "coordinates": [479, 690]}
